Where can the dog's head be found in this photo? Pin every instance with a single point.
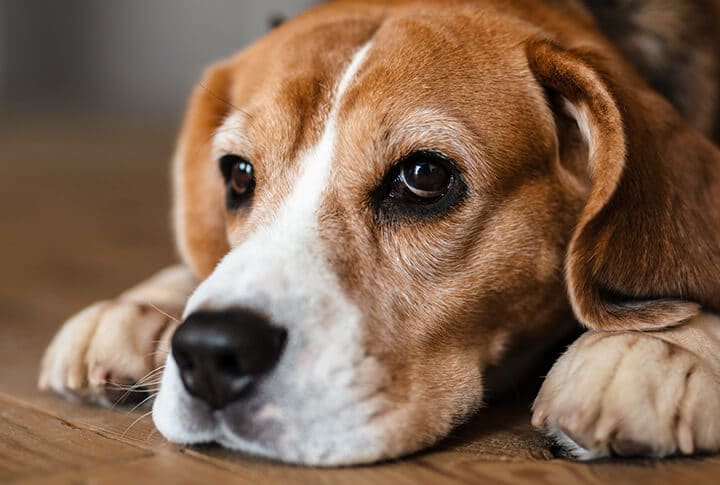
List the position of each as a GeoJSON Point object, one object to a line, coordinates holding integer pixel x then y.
{"type": "Point", "coordinates": [384, 201]}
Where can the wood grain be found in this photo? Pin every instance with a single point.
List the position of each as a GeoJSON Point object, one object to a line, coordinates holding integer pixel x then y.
{"type": "Point", "coordinates": [84, 212]}
{"type": "Point", "coordinates": [35, 443]}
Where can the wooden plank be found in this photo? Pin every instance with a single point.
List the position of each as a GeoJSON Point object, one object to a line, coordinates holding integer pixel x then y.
{"type": "Point", "coordinates": [35, 443]}
{"type": "Point", "coordinates": [207, 461]}
{"type": "Point", "coordinates": [454, 462]}
{"type": "Point", "coordinates": [399, 472]}
{"type": "Point", "coordinates": [132, 427]}
{"type": "Point", "coordinates": [631, 472]}
{"type": "Point", "coordinates": [160, 468]}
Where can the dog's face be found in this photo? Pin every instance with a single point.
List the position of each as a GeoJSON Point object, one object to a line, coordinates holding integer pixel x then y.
{"type": "Point", "coordinates": [392, 199]}
{"type": "Point", "coordinates": [397, 224]}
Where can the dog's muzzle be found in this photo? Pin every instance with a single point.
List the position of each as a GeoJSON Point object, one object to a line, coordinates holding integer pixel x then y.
{"type": "Point", "coordinates": [220, 355]}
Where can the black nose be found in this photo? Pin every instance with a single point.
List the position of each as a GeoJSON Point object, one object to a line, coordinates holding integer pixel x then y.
{"type": "Point", "coordinates": [220, 354]}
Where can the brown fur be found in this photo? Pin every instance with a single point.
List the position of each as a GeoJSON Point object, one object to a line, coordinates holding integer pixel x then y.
{"type": "Point", "coordinates": [630, 264]}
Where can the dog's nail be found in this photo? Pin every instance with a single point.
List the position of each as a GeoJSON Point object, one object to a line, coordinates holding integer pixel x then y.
{"type": "Point", "coordinates": [605, 428]}
{"type": "Point", "coordinates": [685, 438]}
{"type": "Point", "coordinates": [75, 377]}
{"type": "Point", "coordinates": [98, 376]}
{"type": "Point", "coordinates": [539, 417]}
{"type": "Point", "coordinates": [43, 382]}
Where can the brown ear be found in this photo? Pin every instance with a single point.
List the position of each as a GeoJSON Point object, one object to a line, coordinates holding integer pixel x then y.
{"type": "Point", "coordinates": [199, 213]}
{"type": "Point", "coordinates": [645, 253]}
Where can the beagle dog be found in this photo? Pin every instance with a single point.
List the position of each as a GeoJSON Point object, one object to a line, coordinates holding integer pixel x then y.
{"type": "Point", "coordinates": [387, 210]}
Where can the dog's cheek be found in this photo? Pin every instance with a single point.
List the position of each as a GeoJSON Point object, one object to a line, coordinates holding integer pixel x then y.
{"type": "Point", "coordinates": [449, 389]}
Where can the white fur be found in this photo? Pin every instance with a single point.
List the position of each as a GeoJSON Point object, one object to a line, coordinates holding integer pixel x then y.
{"type": "Point", "coordinates": [579, 112]}
{"type": "Point", "coordinates": [574, 449]}
{"type": "Point", "coordinates": [324, 385]}
{"type": "Point", "coordinates": [230, 136]}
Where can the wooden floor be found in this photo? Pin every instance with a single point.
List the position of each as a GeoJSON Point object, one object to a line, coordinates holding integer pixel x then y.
{"type": "Point", "coordinates": [83, 215]}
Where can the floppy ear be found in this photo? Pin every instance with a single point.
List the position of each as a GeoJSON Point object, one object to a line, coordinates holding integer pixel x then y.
{"type": "Point", "coordinates": [199, 193]}
{"type": "Point", "coordinates": [645, 253]}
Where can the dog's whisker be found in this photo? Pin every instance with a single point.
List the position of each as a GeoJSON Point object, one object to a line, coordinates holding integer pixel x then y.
{"type": "Point", "coordinates": [155, 307]}
{"type": "Point", "coordinates": [133, 387]}
{"type": "Point", "coordinates": [152, 433]}
{"type": "Point", "coordinates": [119, 387]}
{"type": "Point", "coordinates": [125, 394]}
{"type": "Point", "coordinates": [156, 353]}
{"type": "Point", "coordinates": [145, 415]}
{"type": "Point", "coordinates": [143, 383]}
{"type": "Point", "coordinates": [220, 98]}
{"type": "Point", "coordinates": [151, 396]}
{"type": "Point", "coordinates": [154, 371]}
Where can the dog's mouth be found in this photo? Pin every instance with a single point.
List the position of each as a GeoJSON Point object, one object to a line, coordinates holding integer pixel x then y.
{"type": "Point", "coordinates": [301, 422]}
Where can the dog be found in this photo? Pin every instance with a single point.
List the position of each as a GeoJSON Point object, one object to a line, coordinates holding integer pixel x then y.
{"type": "Point", "coordinates": [387, 211]}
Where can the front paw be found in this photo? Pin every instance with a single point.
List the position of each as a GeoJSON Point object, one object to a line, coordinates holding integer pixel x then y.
{"type": "Point", "coordinates": [630, 394]}
{"type": "Point", "coordinates": [102, 351]}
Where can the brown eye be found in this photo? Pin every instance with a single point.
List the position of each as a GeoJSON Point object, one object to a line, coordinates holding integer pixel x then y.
{"type": "Point", "coordinates": [424, 176]}
{"type": "Point", "coordinates": [240, 178]}
{"type": "Point", "coordinates": [422, 184]}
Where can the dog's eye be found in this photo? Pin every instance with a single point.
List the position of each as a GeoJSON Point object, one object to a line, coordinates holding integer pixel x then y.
{"type": "Point", "coordinates": [422, 184]}
{"type": "Point", "coordinates": [240, 178]}
{"type": "Point", "coordinates": [425, 177]}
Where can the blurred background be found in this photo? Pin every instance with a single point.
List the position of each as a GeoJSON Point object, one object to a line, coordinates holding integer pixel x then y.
{"type": "Point", "coordinates": [122, 57]}
{"type": "Point", "coordinates": [91, 96]}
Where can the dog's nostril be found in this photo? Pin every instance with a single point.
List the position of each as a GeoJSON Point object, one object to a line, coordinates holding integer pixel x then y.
{"type": "Point", "coordinates": [228, 364]}
{"type": "Point", "coordinates": [183, 360]}
{"type": "Point", "coordinates": [220, 354]}
{"type": "Point", "coordinates": [279, 339]}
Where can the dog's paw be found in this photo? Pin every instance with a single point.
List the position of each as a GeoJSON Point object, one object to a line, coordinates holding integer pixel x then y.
{"type": "Point", "coordinates": [101, 352]}
{"type": "Point", "coordinates": [630, 394]}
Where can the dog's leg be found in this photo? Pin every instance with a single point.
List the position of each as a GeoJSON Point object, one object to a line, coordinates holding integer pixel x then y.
{"type": "Point", "coordinates": [111, 345]}
{"type": "Point", "coordinates": [636, 393]}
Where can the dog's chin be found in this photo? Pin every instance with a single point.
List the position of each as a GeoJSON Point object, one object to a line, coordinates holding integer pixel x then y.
{"type": "Point", "coordinates": [329, 430]}
{"type": "Point", "coordinates": [367, 444]}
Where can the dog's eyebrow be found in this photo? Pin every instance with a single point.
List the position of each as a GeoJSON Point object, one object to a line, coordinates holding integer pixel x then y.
{"type": "Point", "coordinates": [230, 135]}
{"type": "Point", "coordinates": [433, 128]}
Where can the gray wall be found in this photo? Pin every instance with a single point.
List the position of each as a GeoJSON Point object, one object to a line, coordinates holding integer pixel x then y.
{"type": "Point", "coordinates": [120, 56]}
{"type": "Point", "coordinates": [2, 52]}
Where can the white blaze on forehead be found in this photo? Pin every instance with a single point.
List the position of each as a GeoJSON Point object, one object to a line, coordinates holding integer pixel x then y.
{"type": "Point", "coordinates": [301, 206]}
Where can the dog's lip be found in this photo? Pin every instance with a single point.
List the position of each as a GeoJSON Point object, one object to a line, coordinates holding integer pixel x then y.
{"type": "Point", "coordinates": [227, 437]}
